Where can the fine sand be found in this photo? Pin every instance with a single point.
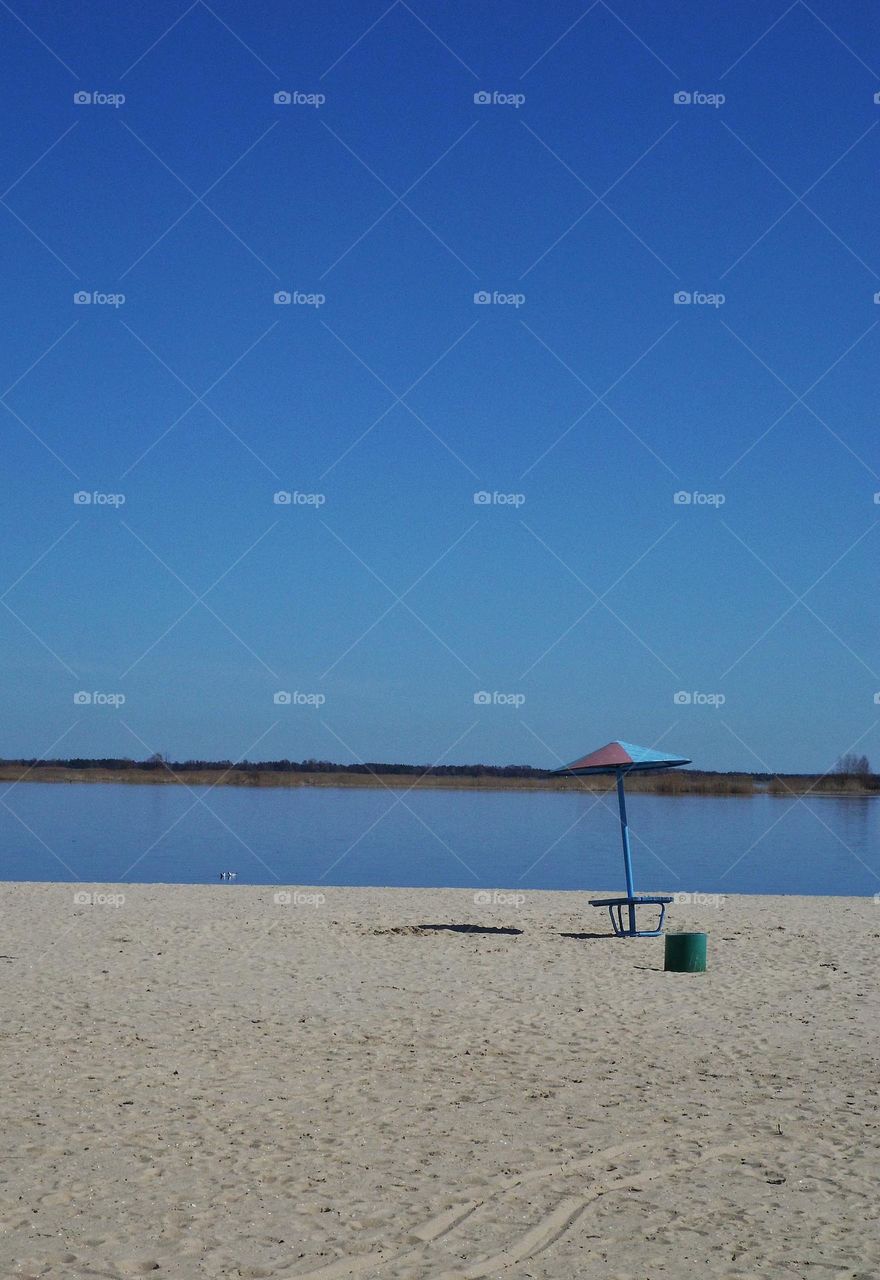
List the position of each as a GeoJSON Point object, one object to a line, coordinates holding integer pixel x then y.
{"type": "Point", "coordinates": [204, 1082]}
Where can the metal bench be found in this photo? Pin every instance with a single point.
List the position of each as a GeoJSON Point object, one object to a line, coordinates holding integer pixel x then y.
{"type": "Point", "coordinates": [615, 911]}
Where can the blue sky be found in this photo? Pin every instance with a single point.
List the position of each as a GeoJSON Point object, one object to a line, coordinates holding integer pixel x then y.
{"type": "Point", "coordinates": [586, 196]}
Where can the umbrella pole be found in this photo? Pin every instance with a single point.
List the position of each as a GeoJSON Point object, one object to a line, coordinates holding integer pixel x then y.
{"type": "Point", "coordinates": [627, 856]}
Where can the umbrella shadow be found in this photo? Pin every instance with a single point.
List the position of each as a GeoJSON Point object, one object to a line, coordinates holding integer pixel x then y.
{"type": "Point", "coordinates": [468, 928]}
{"type": "Point", "coordinates": [452, 928]}
{"type": "Point", "coordinates": [586, 937]}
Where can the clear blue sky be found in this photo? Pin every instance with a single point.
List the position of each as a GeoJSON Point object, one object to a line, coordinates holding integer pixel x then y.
{"type": "Point", "coordinates": [597, 398]}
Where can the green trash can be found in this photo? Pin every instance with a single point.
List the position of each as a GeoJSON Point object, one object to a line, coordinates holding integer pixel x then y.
{"type": "Point", "coordinates": [685, 953]}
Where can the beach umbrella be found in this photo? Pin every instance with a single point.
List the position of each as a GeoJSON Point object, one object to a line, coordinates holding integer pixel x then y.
{"type": "Point", "coordinates": [621, 758]}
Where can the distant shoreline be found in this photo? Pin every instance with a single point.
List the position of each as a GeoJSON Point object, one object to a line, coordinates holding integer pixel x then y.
{"type": "Point", "coordinates": [683, 782]}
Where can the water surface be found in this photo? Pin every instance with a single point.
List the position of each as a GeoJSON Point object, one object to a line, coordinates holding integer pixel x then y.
{"type": "Point", "coordinates": [467, 839]}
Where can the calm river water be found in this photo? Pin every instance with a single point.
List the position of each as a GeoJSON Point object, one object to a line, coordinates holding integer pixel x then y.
{"type": "Point", "coordinates": [506, 839]}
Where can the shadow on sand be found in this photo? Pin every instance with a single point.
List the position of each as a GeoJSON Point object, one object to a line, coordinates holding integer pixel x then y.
{"type": "Point", "coordinates": [450, 928]}
{"type": "Point", "coordinates": [586, 937]}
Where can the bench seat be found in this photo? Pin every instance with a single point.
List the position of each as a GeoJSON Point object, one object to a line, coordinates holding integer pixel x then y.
{"type": "Point", "coordinates": [615, 911]}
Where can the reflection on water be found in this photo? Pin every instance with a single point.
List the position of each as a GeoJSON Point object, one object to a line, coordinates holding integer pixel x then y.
{"type": "Point", "coordinates": [515, 840]}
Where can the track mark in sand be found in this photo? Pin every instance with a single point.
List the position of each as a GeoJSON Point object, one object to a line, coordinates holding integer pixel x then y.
{"type": "Point", "coordinates": [440, 1225]}
{"type": "Point", "coordinates": [570, 1166]}
{"type": "Point", "coordinates": [558, 1221]}
{"type": "Point", "coordinates": [445, 1221]}
{"type": "Point", "coordinates": [539, 1237]}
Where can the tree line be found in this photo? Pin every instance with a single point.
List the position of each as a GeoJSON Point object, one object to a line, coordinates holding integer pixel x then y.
{"type": "Point", "coordinates": [158, 761]}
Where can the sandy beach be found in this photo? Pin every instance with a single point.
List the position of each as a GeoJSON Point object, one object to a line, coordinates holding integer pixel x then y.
{"type": "Point", "coordinates": [206, 1082]}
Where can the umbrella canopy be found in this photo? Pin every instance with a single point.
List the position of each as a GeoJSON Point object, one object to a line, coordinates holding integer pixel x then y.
{"type": "Point", "coordinates": [623, 756]}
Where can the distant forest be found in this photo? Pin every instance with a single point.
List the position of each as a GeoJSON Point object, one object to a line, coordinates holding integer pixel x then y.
{"type": "Point", "coordinates": [290, 766]}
